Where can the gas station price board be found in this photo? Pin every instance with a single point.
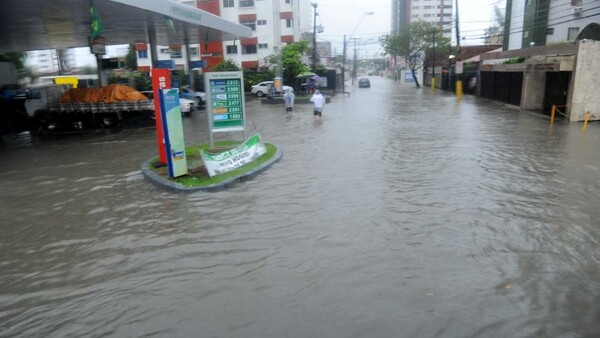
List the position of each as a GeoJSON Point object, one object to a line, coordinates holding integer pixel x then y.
{"type": "Point", "coordinates": [225, 101]}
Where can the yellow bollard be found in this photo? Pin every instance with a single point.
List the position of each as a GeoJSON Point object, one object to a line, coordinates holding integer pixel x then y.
{"type": "Point", "coordinates": [459, 91]}
{"type": "Point", "coordinates": [552, 113]}
{"type": "Point", "coordinates": [586, 118]}
{"type": "Point", "coordinates": [433, 83]}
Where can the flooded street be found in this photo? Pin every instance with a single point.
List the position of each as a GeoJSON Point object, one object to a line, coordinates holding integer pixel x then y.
{"type": "Point", "coordinates": [403, 213]}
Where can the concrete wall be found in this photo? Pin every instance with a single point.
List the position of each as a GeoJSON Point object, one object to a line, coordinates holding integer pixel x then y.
{"type": "Point", "coordinates": [532, 94]}
{"type": "Point", "coordinates": [586, 81]}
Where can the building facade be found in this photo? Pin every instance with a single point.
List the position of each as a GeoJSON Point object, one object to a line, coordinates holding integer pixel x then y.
{"type": "Point", "coordinates": [544, 22]}
{"type": "Point", "coordinates": [273, 22]}
{"type": "Point", "coordinates": [439, 12]}
{"type": "Point", "coordinates": [552, 47]}
{"type": "Point", "coordinates": [51, 61]}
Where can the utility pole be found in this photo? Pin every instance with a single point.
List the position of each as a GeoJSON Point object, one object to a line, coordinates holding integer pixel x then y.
{"type": "Point", "coordinates": [457, 30]}
{"type": "Point", "coordinates": [277, 38]}
{"type": "Point", "coordinates": [433, 63]}
{"type": "Point", "coordinates": [314, 60]}
{"type": "Point", "coordinates": [344, 67]}
{"type": "Point", "coordinates": [354, 63]}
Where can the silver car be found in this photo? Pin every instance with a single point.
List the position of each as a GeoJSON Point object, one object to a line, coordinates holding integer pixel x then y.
{"type": "Point", "coordinates": [187, 106]}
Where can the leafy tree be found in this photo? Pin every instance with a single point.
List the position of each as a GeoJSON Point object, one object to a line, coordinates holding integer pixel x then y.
{"type": "Point", "coordinates": [495, 33]}
{"type": "Point", "coordinates": [291, 60]}
{"type": "Point", "coordinates": [130, 58]}
{"type": "Point", "coordinates": [226, 66]}
{"type": "Point", "coordinates": [18, 59]}
{"type": "Point", "coordinates": [252, 77]}
{"type": "Point", "coordinates": [412, 42]}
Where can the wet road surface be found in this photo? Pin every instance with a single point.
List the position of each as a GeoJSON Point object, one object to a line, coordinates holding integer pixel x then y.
{"type": "Point", "coordinates": [404, 213]}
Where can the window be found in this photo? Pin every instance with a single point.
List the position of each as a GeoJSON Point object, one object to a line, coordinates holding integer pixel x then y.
{"type": "Point", "coordinates": [427, 15]}
{"type": "Point", "coordinates": [176, 53]}
{"type": "Point", "coordinates": [549, 31]}
{"type": "Point", "coordinates": [165, 51]}
{"type": "Point", "coordinates": [288, 23]}
{"type": "Point", "coordinates": [573, 32]}
{"type": "Point", "coordinates": [576, 2]}
{"type": "Point", "coordinates": [263, 46]}
{"type": "Point", "coordinates": [246, 3]}
{"type": "Point", "coordinates": [261, 22]}
{"type": "Point", "coordinates": [249, 49]}
{"type": "Point", "coordinates": [232, 49]}
{"type": "Point", "coordinates": [228, 3]}
{"type": "Point", "coordinates": [415, 15]}
{"type": "Point", "coordinates": [194, 51]}
{"type": "Point", "coordinates": [415, 7]}
{"type": "Point", "coordinates": [142, 54]}
{"type": "Point", "coordinates": [288, 1]}
{"type": "Point", "coordinates": [249, 24]}
{"type": "Point", "coordinates": [427, 7]}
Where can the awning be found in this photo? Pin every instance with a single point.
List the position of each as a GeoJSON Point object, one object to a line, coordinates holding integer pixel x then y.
{"type": "Point", "coordinates": [49, 24]}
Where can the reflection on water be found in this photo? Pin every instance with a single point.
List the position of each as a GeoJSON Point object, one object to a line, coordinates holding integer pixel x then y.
{"type": "Point", "coordinates": [402, 213]}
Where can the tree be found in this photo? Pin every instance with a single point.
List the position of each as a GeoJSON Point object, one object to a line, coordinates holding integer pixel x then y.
{"type": "Point", "coordinates": [495, 33]}
{"type": "Point", "coordinates": [412, 42]}
{"type": "Point", "coordinates": [226, 66]}
{"type": "Point", "coordinates": [291, 60]}
{"type": "Point", "coordinates": [18, 59]}
{"type": "Point", "coordinates": [131, 58]}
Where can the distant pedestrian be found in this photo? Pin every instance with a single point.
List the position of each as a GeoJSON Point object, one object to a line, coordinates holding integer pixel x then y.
{"type": "Point", "coordinates": [318, 101]}
{"type": "Point", "coordinates": [288, 97]}
{"type": "Point", "coordinates": [311, 86]}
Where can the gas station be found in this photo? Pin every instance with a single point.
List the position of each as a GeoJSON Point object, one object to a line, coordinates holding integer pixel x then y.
{"type": "Point", "coordinates": [27, 25]}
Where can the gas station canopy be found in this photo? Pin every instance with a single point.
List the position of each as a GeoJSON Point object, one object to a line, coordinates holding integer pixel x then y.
{"type": "Point", "coordinates": [27, 25]}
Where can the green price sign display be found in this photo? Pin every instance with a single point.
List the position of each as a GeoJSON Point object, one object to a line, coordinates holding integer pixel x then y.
{"type": "Point", "coordinates": [226, 101]}
{"type": "Point", "coordinates": [225, 104]}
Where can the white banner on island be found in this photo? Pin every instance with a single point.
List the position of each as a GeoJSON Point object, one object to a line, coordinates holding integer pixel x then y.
{"type": "Point", "coordinates": [226, 161]}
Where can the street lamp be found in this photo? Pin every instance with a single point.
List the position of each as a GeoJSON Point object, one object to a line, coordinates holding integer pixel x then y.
{"type": "Point", "coordinates": [344, 52]}
{"type": "Point", "coordinates": [314, 51]}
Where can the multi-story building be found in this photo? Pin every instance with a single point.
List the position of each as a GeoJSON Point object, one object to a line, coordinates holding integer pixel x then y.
{"type": "Point", "coordinates": [273, 22]}
{"type": "Point", "coordinates": [554, 46]}
{"type": "Point", "coordinates": [543, 22]}
{"type": "Point", "coordinates": [438, 12]}
{"type": "Point", "coordinates": [51, 61]}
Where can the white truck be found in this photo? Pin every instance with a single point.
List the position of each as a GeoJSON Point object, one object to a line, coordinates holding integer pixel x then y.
{"type": "Point", "coordinates": [50, 106]}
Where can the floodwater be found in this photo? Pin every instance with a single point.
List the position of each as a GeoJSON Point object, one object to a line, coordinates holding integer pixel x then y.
{"type": "Point", "coordinates": [403, 213]}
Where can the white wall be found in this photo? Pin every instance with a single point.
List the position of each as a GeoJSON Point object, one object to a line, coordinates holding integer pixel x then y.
{"type": "Point", "coordinates": [515, 39]}
{"type": "Point", "coordinates": [561, 11]}
{"type": "Point", "coordinates": [585, 85]}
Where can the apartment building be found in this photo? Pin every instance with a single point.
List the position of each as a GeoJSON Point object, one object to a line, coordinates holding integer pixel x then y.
{"type": "Point", "coordinates": [51, 61]}
{"type": "Point", "coordinates": [273, 22]}
{"type": "Point", "coordinates": [439, 12]}
{"type": "Point", "coordinates": [544, 22]}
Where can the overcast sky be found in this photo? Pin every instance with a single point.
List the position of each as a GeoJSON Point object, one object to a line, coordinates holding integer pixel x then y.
{"type": "Point", "coordinates": [339, 17]}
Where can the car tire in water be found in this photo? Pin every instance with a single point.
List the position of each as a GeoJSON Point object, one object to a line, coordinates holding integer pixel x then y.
{"type": "Point", "coordinates": [259, 93]}
{"type": "Point", "coordinates": [108, 120]}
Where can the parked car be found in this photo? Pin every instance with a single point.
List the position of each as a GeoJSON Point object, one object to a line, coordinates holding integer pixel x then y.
{"type": "Point", "coordinates": [263, 88]}
{"type": "Point", "coordinates": [187, 106]}
{"type": "Point", "coordinates": [199, 98]}
{"type": "Point", "coordinates": [364, 83]}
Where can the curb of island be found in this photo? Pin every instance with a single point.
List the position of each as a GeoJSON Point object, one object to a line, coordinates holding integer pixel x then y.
{"type": "Point", "coordinates": [163, 182]}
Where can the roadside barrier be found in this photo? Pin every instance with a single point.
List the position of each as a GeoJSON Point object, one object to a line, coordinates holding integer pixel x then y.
{"type": "Point", "coordinates": [554, 111]}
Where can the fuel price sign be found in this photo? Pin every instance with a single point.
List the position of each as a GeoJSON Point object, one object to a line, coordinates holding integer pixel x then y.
{"type": "Point", "coordinates": [225, 102]}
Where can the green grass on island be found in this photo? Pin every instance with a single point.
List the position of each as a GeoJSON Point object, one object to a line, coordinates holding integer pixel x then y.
{"type": "Point", "coordinates": [197, 175]}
